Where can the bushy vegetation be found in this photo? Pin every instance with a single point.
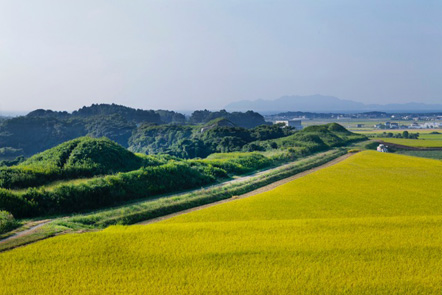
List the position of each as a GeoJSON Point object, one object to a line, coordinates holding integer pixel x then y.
{"type": "Point", "coordinates": [404, 134]}
{"type": "Point", "coordinates": [331, 232]}
{"type": "Point", "coordinates": [175, 175]}
{"type": "Point", "coordinates": [310, 139]}
{"type": "Point", "coordinates": [248, 119]}
{"type": "Point", "coordinates": [7, 222]}
{"type": "Point", "coordinates": [148, 209]}
{"type": "Point", "coordinates": [217, 136]}
{"type": "Point", "coordinates": [220, 137]}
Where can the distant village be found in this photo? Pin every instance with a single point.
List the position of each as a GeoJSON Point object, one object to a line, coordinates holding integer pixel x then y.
{"type": "Point", "coordinates": [414, 125]}
{"type": "Point", "coordinates": [403, 121]}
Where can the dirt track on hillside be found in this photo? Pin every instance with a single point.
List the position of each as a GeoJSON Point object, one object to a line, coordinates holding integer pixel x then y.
{"type": "Point", "coordinates": [260, 190]}
{"type": "Point", "coordinates": [27, 231]}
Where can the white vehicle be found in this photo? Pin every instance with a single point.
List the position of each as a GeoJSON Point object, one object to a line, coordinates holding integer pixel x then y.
{"type": "Point", "coordinates": [382, 148]}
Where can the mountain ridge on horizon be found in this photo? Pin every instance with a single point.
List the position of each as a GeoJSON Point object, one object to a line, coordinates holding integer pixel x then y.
{"type": "Point", "coordinates": [323, 103]}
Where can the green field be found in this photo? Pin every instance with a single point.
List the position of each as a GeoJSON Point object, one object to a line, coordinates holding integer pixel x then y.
{"type": "Point", "coordinates": [424, 154]}
{"type": "Point", "coordinates": [430, 136]}
{"type": "Point", "coordinates": [368, 225]}
{"type": "Point", "coordinates": [380, 131]}
{"type": "Point", "coordinates": [413, 142]}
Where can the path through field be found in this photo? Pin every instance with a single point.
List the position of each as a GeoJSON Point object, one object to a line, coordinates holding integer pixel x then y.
{"type": "Point", "coordinates": [271, 186]}
{"type": "Point", "coordinates": [252, 193]}
{"type": "Point", "coordinates": [27, 231]}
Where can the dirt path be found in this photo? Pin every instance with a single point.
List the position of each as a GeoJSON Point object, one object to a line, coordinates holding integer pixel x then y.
{"type": "Point", "coordinates": [27, 231]}
{"type": "Point", "coordinates": [251, 193]}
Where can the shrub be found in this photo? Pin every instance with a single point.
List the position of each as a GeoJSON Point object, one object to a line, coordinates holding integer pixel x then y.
{"type": "Point", "coordinates": [7, 222]}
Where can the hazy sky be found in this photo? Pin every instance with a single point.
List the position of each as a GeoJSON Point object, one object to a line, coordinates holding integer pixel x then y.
{"type": "Point", "coordinates": [183, 55]}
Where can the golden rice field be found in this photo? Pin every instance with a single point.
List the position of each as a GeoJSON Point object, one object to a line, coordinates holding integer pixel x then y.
{"type": "Point", "coordinates": [414, 142]}
{"type": "Point", "coordinates": [369, 225]}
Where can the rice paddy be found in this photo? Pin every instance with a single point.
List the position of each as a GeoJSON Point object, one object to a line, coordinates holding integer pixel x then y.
{"type": "Point", "coordinates": [368, 225]}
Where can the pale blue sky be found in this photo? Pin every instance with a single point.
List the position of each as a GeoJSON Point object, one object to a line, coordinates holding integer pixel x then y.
{"type": "Point", "coordinates": [185, 55]}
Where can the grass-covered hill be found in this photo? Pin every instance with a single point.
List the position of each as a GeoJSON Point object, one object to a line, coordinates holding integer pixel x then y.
{"type": "Point", "coordinates": [312, 138]}
{"type": "Point", "coordinates": [81, 157]}
{"type": "Point", "coordinates": [100, 156]}
{"type": "Point", "coordinates": [218, 136]}
{"type": "Point", "coordinates": [368, 225]}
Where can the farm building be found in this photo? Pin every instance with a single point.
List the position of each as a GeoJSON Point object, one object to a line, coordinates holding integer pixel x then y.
{"type": "Point", "coordinates": [291, 123]}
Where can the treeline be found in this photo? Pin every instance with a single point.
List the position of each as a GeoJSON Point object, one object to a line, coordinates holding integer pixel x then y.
{"type": "Point", "coordinates": [404, 134]}
{"type": "Point", "coordinates": [44, 129]}
{"type": "Point", "coordinates": [189, 142]}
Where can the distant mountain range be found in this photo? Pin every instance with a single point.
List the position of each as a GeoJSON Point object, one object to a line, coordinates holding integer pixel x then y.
{"type": "Point", "coordinates": [328, 104]}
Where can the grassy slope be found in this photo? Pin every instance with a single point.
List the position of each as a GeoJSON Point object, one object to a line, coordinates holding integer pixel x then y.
{"type": "Point", "coordinates": [100, 154]}
{"type": "Point", "coordinates": [368, 225]}
{"type": "Point", "coordinates": [379, 131]}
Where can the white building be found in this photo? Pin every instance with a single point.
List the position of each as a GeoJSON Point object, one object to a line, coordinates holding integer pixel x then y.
{"type": "Point", "coordinates": [291, 123]}
{"type": "Point", "coordinates": [431, 125]}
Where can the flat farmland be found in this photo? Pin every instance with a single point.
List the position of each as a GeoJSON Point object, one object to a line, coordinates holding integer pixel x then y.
{"type": "Point", "coordinates": [420, 143]}
{"type": "Point", "coordinates": [368, 225]}
{"type": "Point", "coordinates": [380, 131]}
{"type": "Point", "coordinates": [423, 154]}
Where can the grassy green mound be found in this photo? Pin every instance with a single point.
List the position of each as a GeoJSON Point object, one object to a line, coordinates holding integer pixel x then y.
{"type": "Point", "coordinates": [101, 156]}
{"type": "Point", "coordinates": [81, 157]}
{"type": "Point", "coordinates": [310, 139]}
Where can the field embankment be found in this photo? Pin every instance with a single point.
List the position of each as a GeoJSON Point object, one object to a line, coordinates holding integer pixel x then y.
{"type": "Point", "coordinates": [368, 225]}
{"type": "Point", "coordinates": [163, 205]}
{"type": "Point", "coordinates": [89, 174]}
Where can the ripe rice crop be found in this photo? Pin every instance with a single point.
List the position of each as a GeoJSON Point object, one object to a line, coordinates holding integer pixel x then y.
{"type": "Point", "coordinates": [368, 225]}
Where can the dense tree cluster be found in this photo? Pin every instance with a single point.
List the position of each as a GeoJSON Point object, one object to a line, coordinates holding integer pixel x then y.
{"type": "Point", "coordinates": [191, 142]}
{"type": "Point", "coordinates": [43, 129]}
{"type": "Point", "coordinates": [248, 119]}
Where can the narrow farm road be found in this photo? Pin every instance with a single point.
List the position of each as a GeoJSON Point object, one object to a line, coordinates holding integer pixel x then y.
{"type": "Point", "coordinates": [27, 231]}
{"type": "Point", "coordinates": [252, 193]}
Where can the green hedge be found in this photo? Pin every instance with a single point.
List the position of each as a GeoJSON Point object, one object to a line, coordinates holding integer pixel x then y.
{"type": "Point", "coordinates": [7, 222]}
